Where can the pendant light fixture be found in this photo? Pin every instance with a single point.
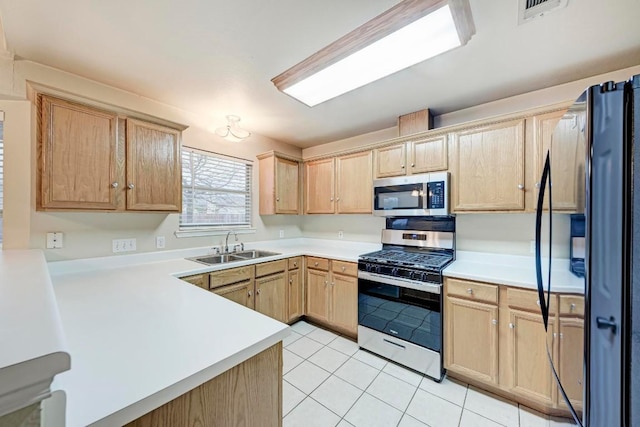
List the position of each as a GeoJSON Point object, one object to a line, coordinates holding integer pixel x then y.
{"type": "Point", "coordinates": [232, 131]}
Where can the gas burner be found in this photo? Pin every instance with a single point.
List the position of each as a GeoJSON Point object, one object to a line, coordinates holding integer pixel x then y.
{"type": "Point", "coordinates": [424, 260]}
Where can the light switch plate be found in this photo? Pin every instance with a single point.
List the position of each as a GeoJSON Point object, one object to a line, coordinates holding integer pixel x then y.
{"type": "Point", "coordinates": [281, 234]}
{"type": "Point", "coordinates": [340, 234]}
{"type": "Point", "coordinates": [123, 245]}
{"type": "Point", "coordinates": [160, 242]}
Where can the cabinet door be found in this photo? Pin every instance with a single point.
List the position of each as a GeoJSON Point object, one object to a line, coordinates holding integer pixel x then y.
{"type": "Point", "coordinates": [287, 185]}
{"type": "Point", "coordinates": [488, 168]}
{"type": "Point", "coordinates": [79, 157]}
{"type": "Point", "coordinates": [344, 303]}
{"type": "Point", "coordinates": [154, 175]}
{"type": "Point", "coordinates": [471, 339]}
{"type": "Point", "coordinates": [294, 300]}
{"type": "Point", "coordinates": [271, 296]}
{"type": "Point", "coordinates": [428, 155]}
{"type": "Point", "coordinates": [319, 186]}
{"type": "Point", "coordinates": [564, 138]}
{"type": "Point", "coordinates": [200, 280]}
{"type": "Point", "coordinates": [390, 161]}
{"type": "Point", "coordinates": [571, 358]}
{"type": "Point", "coordinates": [354, 183]}
{"type": "Point", "coordinates": [317, 293]}
{"type": "Point", "coordinates": [531, 373]}
{"type": "Point", "coordinates": [241, 293]}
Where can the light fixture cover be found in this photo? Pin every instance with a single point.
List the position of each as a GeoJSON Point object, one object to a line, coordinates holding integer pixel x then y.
{"type": "Point", "coordinates": [409, 33]}
{"type": "Point", "coordinates": [232, 131]}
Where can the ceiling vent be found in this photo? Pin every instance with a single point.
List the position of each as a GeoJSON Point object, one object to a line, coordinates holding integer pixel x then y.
{"type": "Point", "coordinates": [531, 9]}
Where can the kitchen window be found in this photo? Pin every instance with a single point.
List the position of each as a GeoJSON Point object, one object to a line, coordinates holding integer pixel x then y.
{"type": "Point", "coordinates": [216, 192]}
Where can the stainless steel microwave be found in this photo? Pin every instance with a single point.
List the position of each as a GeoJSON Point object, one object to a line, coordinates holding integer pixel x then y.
{"type": "Point", "coordinates": [415, 195]}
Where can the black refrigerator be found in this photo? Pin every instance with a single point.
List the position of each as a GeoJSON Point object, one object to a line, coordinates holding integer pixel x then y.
{"type": "Point", "coordinates": [595, 154]}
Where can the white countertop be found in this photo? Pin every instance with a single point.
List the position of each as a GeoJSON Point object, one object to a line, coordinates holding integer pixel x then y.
{"type": "Point", "coordinates": [32, 342]}
{"type": "Point", "coordinates": [139, 337]}
{"type": "Point", "coordinates": [512, 270]}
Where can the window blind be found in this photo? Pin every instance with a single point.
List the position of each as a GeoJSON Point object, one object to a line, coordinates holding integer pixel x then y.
{"type": "Point", "coordinates": [216, 191]}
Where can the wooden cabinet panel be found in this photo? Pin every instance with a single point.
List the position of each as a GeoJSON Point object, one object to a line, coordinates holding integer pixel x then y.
{"type": "Point", "coordinates": [318, 263]}
{"type": "Point", "coordinates": [354, 184]}
{"type": "Point", "coordinates": [230, 275]}
{"type": "Point", "coordinates": [295, 299]}
{"type": "Point", "coordinates": [390, 161]}
{"type": "Point", "coordinates": [531, 372]}
{"type": "Point", "coordinates": [471, 339]}
{"type": "Point", "coordinates": [473, 290]}
{"type": "Point", "coordinates": [571, 305]}
{"type": "Point", "coordinates": [293, 263]}
{"type": "Point", "coordinates": [241, 293]}
{"type": "Point", "coordinates": [571, 358]}
{"type": "Point", "coordinates": [154, 174]}
{"type": "Point", "coordinates": [286, 186]}
{"type": "Point", "coordinates": [528, 300]}
{"type": "Point", "coordinates": [79, 157]}
{"type": "Point", "coordinates": [249, 394]}
{"type": "Point", "coordinates": [488, 168]}
{"type": "Point", "coordinates": [200, 280]}
{"type": "Point", "coordinates": [345, 268]}
{"type": "Point", "coordinates": [271, 267]}
{"type": "Point", "coordinates": [271, 296]}
{"type": "Point", "coordinates": [344, 303]}
{"type": "Point", "coordinates": [319, 185]}
{"type": "Point", "coordinates": [428, 155]}
{"type": "Point", "coordinates": [317, 294]}
{"type": "Point", "coordinates": [567, 147]}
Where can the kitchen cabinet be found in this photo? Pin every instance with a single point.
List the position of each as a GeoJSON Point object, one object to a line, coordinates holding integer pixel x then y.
{"type": "Point", "coordinates": [241, 293]}
{"type": "Point", "coordinates": [295, 296]}
{"type": "Point", "coordinates": [418, 155]}
{"type": "Point", "coordinates": [332, 297]}
{"type": "Point", "coordinates": [340, 185]}
{"type": "Point", "coordinates": [279, 191]}
{"type": "Point", "coordinates": [488, 168]}
{"type": "Point", "coordinates": [91, 159]}
{"type": "Point", "coordinates": [200, 280]}
{"type": "Point", "coordinates": [235, 284]}
{"type": "Point", "coordinates": [270, 296]}
{"type": "Point", "coordinates": [570, 356]}
{"type": "Point", "coordinates": [567, 147]}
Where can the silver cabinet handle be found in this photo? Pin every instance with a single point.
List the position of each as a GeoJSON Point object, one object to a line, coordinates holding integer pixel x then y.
{"type": "Point", "coordinates": [344, 268]}
{"type": "Point", "coordinates": [537, 185]}
{"type": "Point", "coordinates": [130, 186]}
{"type": "Point", "coordinates": [494, 321]}
{"type": "Point", "coordinates": [331, 199]}
{"type": "Point", "coordinates": [538, 302]}
{"type": "Point", "coordinates": [402, 166]}
{"type": "Point", "coordinates": [326, 283]}
{"type": "Point", "coordinates": [333, 283]}
{"type": "Point", "coordinates": [277, 199]}
{"type": "Point", "coordinates": [315, 263]}
{"type": "Point", "coordinates": [291, 281]}
{"type": "Point", "coordinates": [572, 307]}
{"type": "Point", "coordinates": [249, 294]}
{"type": "Point", "coordinates": [295, 264]}
{"type": "Point", "coordinates": [338, 199]}
{"type": "Point", "coordinates": [470, 291]}
{"type": "Point", "coordinates": [561, 335]}
{"type": "Point", "coordinates": [520, 187]}
{"type": "Point", "coordinates": [413, 165]}
{"type": "Point", "coordinates": [114, 185]}
{"type": "Point", "coordinates": [258, 291]}
{"type": "Point", "coordinates": [511, 326]}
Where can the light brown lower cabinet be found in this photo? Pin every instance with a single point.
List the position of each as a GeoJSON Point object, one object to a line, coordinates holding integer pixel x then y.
{"type": "Point", "coordinates": [241, 293]}
{"type": "Point", "coordinates": [332, 298]}
{"type": "Point", "coordinates": [271, 296]}
{"type": "Point", "coordinates": [295, 302]}
{"type": "Point", "coordinates": [249, 394]}
{"type": "Point", "coordinates": [494, 338]}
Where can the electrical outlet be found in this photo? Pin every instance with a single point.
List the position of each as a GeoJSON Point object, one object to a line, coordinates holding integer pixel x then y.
{"type": "Point", "coordinates": [54, 240]}
{"type": "Point", "coordinates": [123, 245]}
{"type": "Point", "coordinates": [340, 234]}
{"type": "Point", "coordinates": [281, 234]}
{"type": "Point", "coordinates": [159, 242]}
{"type": "Point", "coordinates": [532, 246]}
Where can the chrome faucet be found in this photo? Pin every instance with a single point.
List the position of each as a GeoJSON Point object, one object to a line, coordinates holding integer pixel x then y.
{"type": "Point", "coordinates": [226, 240]}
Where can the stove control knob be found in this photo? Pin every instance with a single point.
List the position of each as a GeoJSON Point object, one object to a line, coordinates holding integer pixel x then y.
{"type": "Point", "coordinates": [394, 271]}
{"type": "Point", "coordinates": [367, 267]}
{"type": "Point", "coordinates": [423, 277]}
{"type": "Point", "coordinates": [378, 268]}
{"type": "Point", "coordinates": [412, 275]}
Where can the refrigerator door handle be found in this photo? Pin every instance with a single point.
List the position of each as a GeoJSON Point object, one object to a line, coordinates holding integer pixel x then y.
{"type": "Point", "coordinates": [544, 302]}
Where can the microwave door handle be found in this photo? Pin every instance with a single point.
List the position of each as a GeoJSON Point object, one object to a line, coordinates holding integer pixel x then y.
{"type": "Point", "coordinates": [425, 195]}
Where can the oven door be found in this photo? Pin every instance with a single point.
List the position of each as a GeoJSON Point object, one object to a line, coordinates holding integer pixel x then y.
{"type": "Point", "coordinates": [401, 199]}
{"type": "Point", "coordinates": [408, 314]}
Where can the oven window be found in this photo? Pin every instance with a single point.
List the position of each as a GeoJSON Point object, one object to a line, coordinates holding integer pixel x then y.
{"type": "Point", "coordinates": [411, 315]}
{"type": "Point", "coordinates": [399, 197]}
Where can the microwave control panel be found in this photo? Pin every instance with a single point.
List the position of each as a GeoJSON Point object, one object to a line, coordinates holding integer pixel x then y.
{"type": "Point", "coordinates": [436, 192]}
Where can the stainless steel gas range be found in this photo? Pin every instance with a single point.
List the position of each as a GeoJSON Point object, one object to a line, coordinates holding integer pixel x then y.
{"type": "Point", "coordinates": [399, 292]}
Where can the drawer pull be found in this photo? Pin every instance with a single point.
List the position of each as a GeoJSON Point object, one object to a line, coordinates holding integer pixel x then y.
{"type": "Point", "coordinates": [326, 283]}
{"type": "Point", "coordinates": [393, 343]}
{"type": "Point", "coordinates": [315, 263]}
{"type": "Point", "coordinates": [249, 294]}
{"type": "Point", "coordinates": [511, 326]}
{"type": "Point", "coordinates": [343, 268]}
{"type": "Point", "coordinates": [494, 321]}
{"type": "Point", "coordinates": [295, 264]}
{"type": "Point", "coordinates": [291, 281]}
{"type": "Point", "coordinates": [258, 292]}
{"type": "Point", "coordinates": [572, 307]}
{"type": "Point", "coordinates": [470, 291]}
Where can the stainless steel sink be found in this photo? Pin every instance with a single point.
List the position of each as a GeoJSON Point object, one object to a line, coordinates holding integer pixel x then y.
{"type": "Point", "coordinates": [255, 254]}
{"type": "Point", "coordinates": [217, 259]}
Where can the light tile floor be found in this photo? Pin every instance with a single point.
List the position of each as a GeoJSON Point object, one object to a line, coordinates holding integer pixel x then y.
{"type": "Point", "coordinates": [329, 381]}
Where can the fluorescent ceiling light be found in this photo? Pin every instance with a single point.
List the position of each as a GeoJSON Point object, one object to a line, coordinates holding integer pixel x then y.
{"type": "Point", "coordinates": [387, 44]}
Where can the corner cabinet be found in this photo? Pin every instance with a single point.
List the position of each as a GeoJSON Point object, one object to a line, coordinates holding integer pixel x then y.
{"type": "Point", "coordinates": [92, 159]}
{"type": "Point", "coordinates": [418, 155]}
{"type": "Point", "coordinates": [279, 191]}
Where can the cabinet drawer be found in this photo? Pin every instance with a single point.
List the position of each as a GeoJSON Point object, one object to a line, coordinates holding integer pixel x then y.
{"type": "Point", "coordinates": [294, 263]}
{"type": "Point", "coordinates": [200, 280]}
{"type": "Point", "coordinates": [318, 263]}
{"type": "Point", "coordinates": [229, 276]}
{"type": "Point", "coordinates": [572, 305]}
{"type": "Point", "coordinates": [473, 290]}
{"type": "Point", "coordinates": [347, 268]}
{"type": "Point", "coordinates": [528, 300]}
{"type": "Point", "coordinates": [272, 267]}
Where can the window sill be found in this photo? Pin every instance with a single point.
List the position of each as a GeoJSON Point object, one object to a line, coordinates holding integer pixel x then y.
{"type": "Point", "coordinates": [200, 232]}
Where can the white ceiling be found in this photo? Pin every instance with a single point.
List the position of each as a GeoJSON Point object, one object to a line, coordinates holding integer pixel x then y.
{"type": "Point", "coordinates": [216, 57]}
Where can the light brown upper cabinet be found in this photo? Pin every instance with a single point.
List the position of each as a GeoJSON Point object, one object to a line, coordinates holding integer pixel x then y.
{"type": "Point", "coordinates": [91, 159]}
{"type": "Point", "coordinates": [488, 168]}
{"type": "Point", "coordinates": [420, 155]}
{"type": "Point", "coordinates": [340, 185]}
{"type": "Point", "coordinates": [279, 184]}
{"type": "Point", "coordinates": [564, 138]}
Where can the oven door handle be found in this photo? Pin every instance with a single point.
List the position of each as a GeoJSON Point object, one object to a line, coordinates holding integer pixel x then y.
{"type": "Point", "coordinates": [432, 288]}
